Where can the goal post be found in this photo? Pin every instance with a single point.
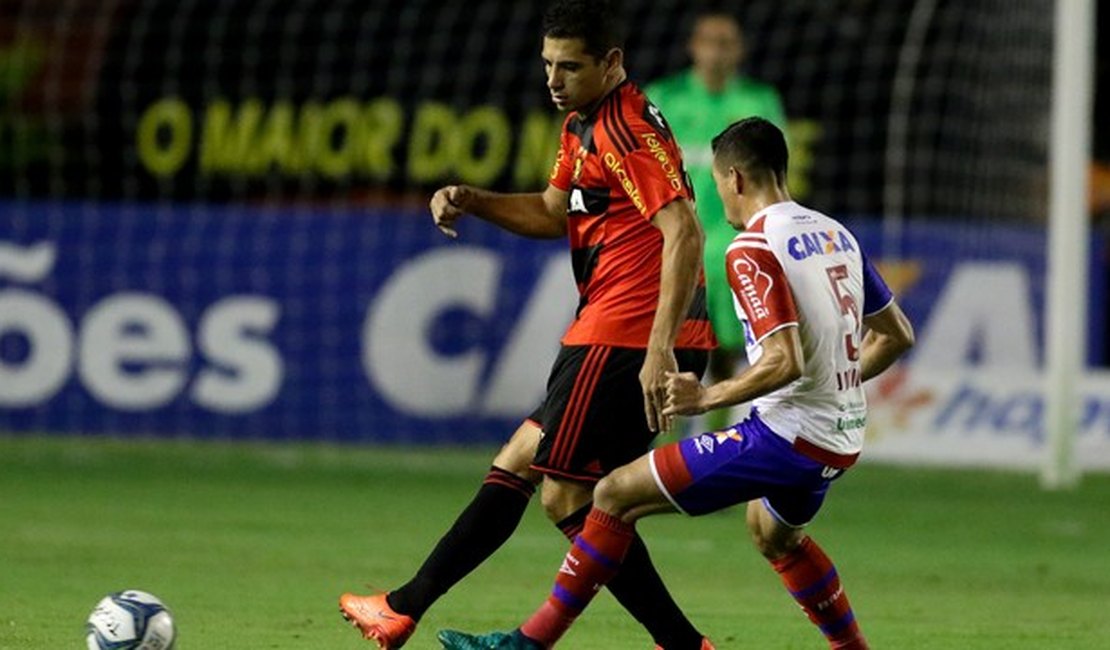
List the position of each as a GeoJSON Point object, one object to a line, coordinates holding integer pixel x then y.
{"type": "Point", "coordinates": [1068, 237]}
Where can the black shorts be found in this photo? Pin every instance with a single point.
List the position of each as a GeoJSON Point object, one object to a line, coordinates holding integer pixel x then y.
{"type": "Point", "coordinates": [593, 417]}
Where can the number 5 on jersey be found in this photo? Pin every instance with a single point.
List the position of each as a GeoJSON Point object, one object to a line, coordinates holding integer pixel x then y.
{"type": "Point", "coordinates": [848, 307]}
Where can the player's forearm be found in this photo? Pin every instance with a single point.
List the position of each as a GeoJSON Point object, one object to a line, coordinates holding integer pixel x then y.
{"type": "Point", "coordinates": [522, 214]}
{"type": "Point", "coordinates": [682, 254]}
{"type": "Point", "coordinates": [890, 334]}
{"type": "Point", "coordinates": [770, 373]}
{"type": "Point", "coordinates": [879, 352]}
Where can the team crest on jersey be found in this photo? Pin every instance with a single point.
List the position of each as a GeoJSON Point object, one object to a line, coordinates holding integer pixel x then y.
{"type": "Point", "coordinates": [579, 161]}
{"type": "Point", "coordinates": [819, 242]}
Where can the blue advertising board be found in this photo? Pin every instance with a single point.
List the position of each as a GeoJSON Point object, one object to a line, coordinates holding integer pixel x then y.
{"type": "Point", "coordinates": [264, 322]}
{"type": "Point", "coordinates": [315, 323]}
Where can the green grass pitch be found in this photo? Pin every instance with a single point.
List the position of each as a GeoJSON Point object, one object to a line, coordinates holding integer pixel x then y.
{"type": "Point", "coordinates": [250, 546]}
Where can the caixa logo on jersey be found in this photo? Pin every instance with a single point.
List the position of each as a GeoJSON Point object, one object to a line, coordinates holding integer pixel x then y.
{"type": "Point", "coordinates": [819, 242]}
{"type": "Point", "coordinates": [131, 351]}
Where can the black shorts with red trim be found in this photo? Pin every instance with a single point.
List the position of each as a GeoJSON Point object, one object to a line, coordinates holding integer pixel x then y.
{"type": "Point", "coordinates": [593, 418]}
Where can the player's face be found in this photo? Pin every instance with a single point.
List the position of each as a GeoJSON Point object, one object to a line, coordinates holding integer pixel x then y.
{"type": "Point", "coordinates": [716, 46]}
{"type": "Point", "coordinates": [728, 188]}
{"type": "Point", "coordinates": [575, 78]}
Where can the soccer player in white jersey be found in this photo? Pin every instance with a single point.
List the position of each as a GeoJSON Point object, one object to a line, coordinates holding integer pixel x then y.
{"type": "Point", "coordinates": [805, 293]}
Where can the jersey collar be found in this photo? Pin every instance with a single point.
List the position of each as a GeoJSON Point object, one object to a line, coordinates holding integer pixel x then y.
{"type": "Point", "coordinates": [591, 111]}
{"type": "Point", "coordinates": [755, 223]}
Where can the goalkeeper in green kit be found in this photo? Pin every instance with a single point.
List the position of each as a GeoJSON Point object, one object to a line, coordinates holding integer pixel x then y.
{"type": "Point", "coordinates": [699, 102]}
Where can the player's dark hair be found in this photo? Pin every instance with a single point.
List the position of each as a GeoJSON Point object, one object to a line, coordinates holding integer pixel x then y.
{"type": "Point", "coordinates": [754, 146]}
{"type": "Point", "coordinates": [596, 22]}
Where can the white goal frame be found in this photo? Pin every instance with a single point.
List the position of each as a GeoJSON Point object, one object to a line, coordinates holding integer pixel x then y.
{"type": "Point", "coordinates": [1068, 238]}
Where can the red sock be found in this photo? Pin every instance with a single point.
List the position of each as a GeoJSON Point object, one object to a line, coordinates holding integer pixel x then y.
{"type": "Point", "coordinates": [811, 578]}
{"type": "Point", "coordinates": [592, 561]}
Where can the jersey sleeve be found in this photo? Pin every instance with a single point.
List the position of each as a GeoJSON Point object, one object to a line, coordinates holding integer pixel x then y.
{"type": "Point", "coordinates": [759, 283]}
{"type": "Point", "coordinates": [563, 169]}
{"type": "Point", "coordinates": [643, 164]}
{"type": "Point", "coordinates": [876, 294]}
{"type": "Point", "coordinates": [657, 177]}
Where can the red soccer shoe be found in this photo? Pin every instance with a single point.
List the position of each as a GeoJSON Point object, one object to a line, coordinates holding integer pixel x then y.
{"type": "Point", "coordinates": [377, 621]}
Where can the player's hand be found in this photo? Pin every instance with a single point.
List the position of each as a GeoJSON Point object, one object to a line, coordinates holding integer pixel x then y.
{"type": "Point", "coordinates": [653, 379]}
{"type": "Point", "coordinates": [447, 206]}
{"type": "Point", "coordinates": [685, 394]}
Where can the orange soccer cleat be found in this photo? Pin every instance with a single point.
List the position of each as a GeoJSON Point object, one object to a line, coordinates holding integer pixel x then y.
{"type": "Point", "coordinates": [705, 645]}
{"type": "Point", "coordinates": [377, 621]}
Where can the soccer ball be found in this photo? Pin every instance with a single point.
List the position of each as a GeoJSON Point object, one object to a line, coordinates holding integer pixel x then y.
{"type": "Point", "coordinates": [130, 620]}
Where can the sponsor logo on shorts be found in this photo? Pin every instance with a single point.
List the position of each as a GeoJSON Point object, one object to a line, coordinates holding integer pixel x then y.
{"type": "Point", "coordinates": [728, 434]}
{"type": "Point", "coordinates": [705, 443]}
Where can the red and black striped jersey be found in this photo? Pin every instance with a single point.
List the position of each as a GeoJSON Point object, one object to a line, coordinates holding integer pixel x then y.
{"type": "Point", "coordinates": [620, 165]}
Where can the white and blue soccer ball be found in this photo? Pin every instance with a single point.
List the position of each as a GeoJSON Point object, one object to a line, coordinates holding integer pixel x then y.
{"type": "Point", "coordinates": [130, 620]}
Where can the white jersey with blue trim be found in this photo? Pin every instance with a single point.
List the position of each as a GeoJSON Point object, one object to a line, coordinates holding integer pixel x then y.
{"type": "Point", "coordinates": [796, 267]}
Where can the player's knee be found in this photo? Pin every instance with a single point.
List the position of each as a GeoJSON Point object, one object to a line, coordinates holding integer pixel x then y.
{"type": "Point", "coordinates": [773, 543]}
{"type": "Point", "coordinates": [512, 459]}
{"type": "Point", "coordinates": [517, 454]}
{"type": "Point", "coordinates": [611, 494]}
{"type": "Point", "coordinates": [561, 499]}
{"type": "Point", "coordinates": [765, 545]}
{"type": "Point", "coordinates": [772, 538]}
{"type": "Point", "coordinates": [552, 504]}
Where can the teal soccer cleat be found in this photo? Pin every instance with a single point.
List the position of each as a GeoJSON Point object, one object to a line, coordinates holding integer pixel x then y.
{"type": "Point", "coordinates": [455, 640]}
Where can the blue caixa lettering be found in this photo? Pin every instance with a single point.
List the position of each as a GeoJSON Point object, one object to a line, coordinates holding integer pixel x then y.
{"type": "Point", "coordinates": [819, 242]}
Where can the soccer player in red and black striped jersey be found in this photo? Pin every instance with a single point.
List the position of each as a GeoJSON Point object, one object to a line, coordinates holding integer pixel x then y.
{"type": "Point", "coordinates": [619, 192]}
